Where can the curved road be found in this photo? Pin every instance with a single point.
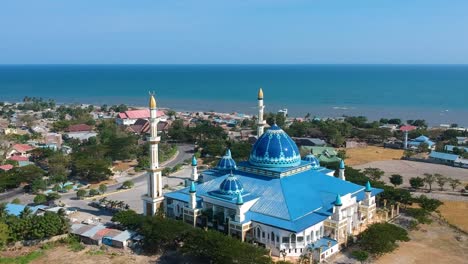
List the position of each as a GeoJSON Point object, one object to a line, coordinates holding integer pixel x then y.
{"type": "Point", "coordinates": [185, 152]}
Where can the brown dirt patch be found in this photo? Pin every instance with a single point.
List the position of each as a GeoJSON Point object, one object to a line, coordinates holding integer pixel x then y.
{"type": "Point", "coordinates": [456, 213]}
{"type": "Point", "coordinates": [358, 156]}
{"type": "Point", "coordinates": [123, 165]}
{"type": "Point", "coordinates": [107, 182]}
{"type": "Point", "coordinates": [434, 243]}
{"type": "Point", "coordinates": [61, 254]}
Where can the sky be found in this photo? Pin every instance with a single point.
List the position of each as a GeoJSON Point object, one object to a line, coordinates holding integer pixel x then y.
{"type": "Point", "coordinates": [234, 32]}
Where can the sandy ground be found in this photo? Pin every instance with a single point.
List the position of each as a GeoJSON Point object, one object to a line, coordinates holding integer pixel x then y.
{"type": "Point", "coordinates": [456, 213]}
{"type": "Point", "coordinates": [434, 243]}
{"type": "Point", "coordinates": [409, 169]}
{"type": "Point", "coordinates": [62, 254]}
{"type": "Point", "coordinates": [357, 156]}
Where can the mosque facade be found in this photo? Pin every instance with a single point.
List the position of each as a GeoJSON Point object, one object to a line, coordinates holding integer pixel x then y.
{"type": "Point", "coordinates": [277, 199]}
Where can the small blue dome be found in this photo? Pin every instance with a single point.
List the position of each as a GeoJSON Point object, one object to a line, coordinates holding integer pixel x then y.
{"type": "Point", "coordinates": [231, 185]}
{"type": "Point", "coordinates": [313, 160]}
{"type": "Point", "coordinates": [226, 162]}
{"type": "Point", "coordinates": [240, 200]}
{"type": "Point", "coordinates": [194, 161]}
{"type": "Point", "coordinates": [338, 200]}
{"type": "Point", "coordinates": [342, 165]}
{"type": "Point", "coordinates": [275, 149]}
{"type": "Point", "coordinates": [368, 187]}
{"type": "Point", "coordinates": [192, 189]}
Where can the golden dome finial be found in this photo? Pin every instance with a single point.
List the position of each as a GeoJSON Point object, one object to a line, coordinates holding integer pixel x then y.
{"type": "Point", "coordinates": [152, 102]}
{"type": "Point", "coordinates": [260, 94]}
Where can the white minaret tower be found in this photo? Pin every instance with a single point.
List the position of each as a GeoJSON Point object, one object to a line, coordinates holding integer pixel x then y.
{"type": "Point", "coordinates": [341, 172]}
{"type": "Point", "coordinates": [154, 197]}
{"type": "Point", "coordinates": [194, 175]}
{"type": "Point", "coordinates": [261, 107]}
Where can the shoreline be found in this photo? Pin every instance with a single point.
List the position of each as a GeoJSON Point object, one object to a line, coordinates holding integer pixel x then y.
{"type": "Point", "coordinates": [433, 116]}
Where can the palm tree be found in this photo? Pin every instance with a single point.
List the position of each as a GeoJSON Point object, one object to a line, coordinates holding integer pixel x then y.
{"type": "Point", "coordinates": [26, 213]}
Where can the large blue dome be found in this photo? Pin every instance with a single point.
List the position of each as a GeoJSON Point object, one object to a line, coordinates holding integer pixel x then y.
{"type": "Point", "coordinates": [275, 149]}
{"type": "Point", "coordinates": [231, 185]}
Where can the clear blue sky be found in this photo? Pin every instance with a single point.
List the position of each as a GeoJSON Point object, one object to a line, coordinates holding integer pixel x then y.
{"type": "Point", "coordinates": [234, 31]}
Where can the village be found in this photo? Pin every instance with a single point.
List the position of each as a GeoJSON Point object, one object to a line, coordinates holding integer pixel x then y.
{"type": "Point", "coordinates": [88, 162]}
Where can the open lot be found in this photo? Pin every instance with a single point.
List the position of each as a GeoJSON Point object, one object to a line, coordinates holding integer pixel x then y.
{"type": "Point", "coordinates": [409, 169]}
{"type": "Point", "coordinates": [434, 243]}
{"type": "Point", "coordinates": [456, 213]}
{"type": "Point", "coordinates": [357, 156]}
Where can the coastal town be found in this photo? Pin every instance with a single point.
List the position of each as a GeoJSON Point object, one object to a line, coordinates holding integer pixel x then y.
{"type": "Point", "coordinates": [88, 168]}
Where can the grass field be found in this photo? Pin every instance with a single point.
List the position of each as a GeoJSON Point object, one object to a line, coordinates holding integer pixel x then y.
{"type": "Point", "coordinates": [456, 213]}
{"type": "Point", "coordinates": [359, 156]}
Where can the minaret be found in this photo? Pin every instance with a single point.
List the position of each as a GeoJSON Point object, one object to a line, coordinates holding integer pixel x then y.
{"type": "Point", "coordinates": [261, 107]}
{"type": "Point", "coordinates": [154, 197]}
{"type": "Point", "coordinates": [240, 217]}
{"type": "Point", "coordinates": [368, 192]}
{"type": "Point", "coordinates": [194, 175]}
{"type": "Point", "coordinates": [193, 196]}
{"type": "Point", "coordinates": [341, 172]}
{"type": "Point", "coordinates": [337, 209]}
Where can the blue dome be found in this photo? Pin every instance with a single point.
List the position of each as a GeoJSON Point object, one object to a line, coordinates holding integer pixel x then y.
{"type": "Point", "coordinates": [275, 149]}
{"type": "Point", "coordinates": [312, 159]}
{"type": "Point", "coordinates": [226, 162]}
{"type": "Point", "coordinates": [231, 185]}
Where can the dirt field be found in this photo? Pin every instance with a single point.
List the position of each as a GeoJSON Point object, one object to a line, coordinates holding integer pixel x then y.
{"type": "Point", "coordinates": [62, 254]}
{"type": "Point", "coordinates": [409, 169]}
{"type": "Point", "coordinates": [357, 156]}
{"type": "Point", "coordinates": [434, 243]}
{"type": "Point", "coordinates": [456, 213]}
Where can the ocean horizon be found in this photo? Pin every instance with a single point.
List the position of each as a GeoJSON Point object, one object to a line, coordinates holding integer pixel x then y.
{"type": "Point", "coordinates": [436, 93]}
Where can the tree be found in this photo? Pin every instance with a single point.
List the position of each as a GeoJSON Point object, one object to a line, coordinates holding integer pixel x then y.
{"type": "Point", "coordinates": [360, 255]}
{"type": "Point", "coordinates": [81, 193]}
{"type": "Point", "coordinates": [441, 181]}
{"type": "Point", "coordinates": [396, 179]}
{"type": "Point", "coordinates": [102, 188]}
{"type": "Point", "coordinates": [128, 218]}
{"type": "Point", "coordinates": [429, 179]}
{"type": "Point", "coordinates": [93, 192]}
{"type": "Point", "coordinates": [374, 173]}
{"type": "Point", "coordinates": [4, 234]}
{"type": "Point", "coordinates": [53, 196]}
{"type": "Point", "coordinates": [429, 204]}
{"type": "Point", "coordinates": [416, 182]}
{"type": "Point", "coordinates": [454, 183]}
{"type": "Point", "coordinates": [26, 213]}
{"type": "Point", "coordinates": [40, 199]}
{"type": "Point", "coordinates": [381, 238]}
{"type": "Point", "coordinates": [127, 184]}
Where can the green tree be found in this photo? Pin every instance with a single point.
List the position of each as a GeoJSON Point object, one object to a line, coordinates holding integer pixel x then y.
{"type": "Point", "coordinates": [129, 219]}
{"type": "Point", "coordinates": [93, 192]}
{"type": "Point", "coordinates": [40, 199]}
{"type": "Point", "coordinates": [396, 179]}
{"type": "Point", "coordinates": [441, 180]}
{"type": "Point", "coordinates": [454, 183]}
{"type": "Point", "coordinates": [374, 173]}
{"type": "Point", "coordinates": [127, 184]}
{"type": "Point", "coordinates": [4, 235]}
{"type": "Point", "coordinates": [428, 204]}
{"type": "Point", "coordinates": [360, 255]}
{"type": "Point", "coordinates": [429, 179]}
{"type": "Point", "coordinates": [26, 213]}
{"type": "Point", "coordinates": [102, 188]}
{"type": "Point", "coordinates": [81, 193]}
{"type": "Point", "coordinates": [53, 196]}
{"type": "Point", "coordinates": [416, 182]}
{"type": "Point", "coordinates": [381, 238]}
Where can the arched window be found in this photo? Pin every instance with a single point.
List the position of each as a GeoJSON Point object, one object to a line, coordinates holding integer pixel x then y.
{"type": "Point", "coordinates": [258, 232]}
{"type": "Point", "coordinates": [293, 238]}
{"type": "Point", "coordinates": [272, 236]}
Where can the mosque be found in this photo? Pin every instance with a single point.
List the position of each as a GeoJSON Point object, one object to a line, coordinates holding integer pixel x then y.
{"type": "Point", "coordinates": [276, 199]}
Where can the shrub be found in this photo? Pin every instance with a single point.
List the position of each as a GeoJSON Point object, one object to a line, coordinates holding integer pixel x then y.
{"type": "Point", "coordinates": [102, 188]}
{"type": "Point", "coordinates": [416, 182]}
{"type": "Point", "coordinates": [81, 193]}
{"type": "Point", "coordinates": [381, 238]}
{"type": "Point", "coordinates": [127, 184]}
{"type": "Point", "coordinates": [93, 192]}
{"type": "Point", "coordinates": [40, 199]}
{"type": "Point", "coordinates": [16, 201]}
{"type": "Point", "coordinates": [419, 214]}
{"type": "Point", "coordinates": [428, 204]}
{"type": "Point", "coordinates": [360, 255]}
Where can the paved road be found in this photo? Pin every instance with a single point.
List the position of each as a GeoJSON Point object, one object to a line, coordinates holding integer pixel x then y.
{"type": "Point", "coordinates": [185, 152]}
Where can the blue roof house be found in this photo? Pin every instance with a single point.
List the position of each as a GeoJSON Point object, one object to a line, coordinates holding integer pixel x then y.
{"type": "Point", "coordinates": [419, 140]}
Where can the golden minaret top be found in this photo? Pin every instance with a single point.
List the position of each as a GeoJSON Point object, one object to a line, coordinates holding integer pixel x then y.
{"type": "Point", "coordinates": [260, 94]}
{"type": "Point", "coordinates": [152, 102]}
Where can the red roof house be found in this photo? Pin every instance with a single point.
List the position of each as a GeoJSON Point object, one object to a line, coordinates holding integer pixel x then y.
{"type": "Point", "coordinates": [6, 167]}
{"type": "Point", "coordinates": [131, 116]}
{"type": "Point", "coordinates": [19, 158]}
{"type": "Point", "coordinates": [79, 128]}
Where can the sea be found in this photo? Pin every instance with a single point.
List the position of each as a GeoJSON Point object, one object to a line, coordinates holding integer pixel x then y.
{"type": "Point", "coordinates": [436, 93]}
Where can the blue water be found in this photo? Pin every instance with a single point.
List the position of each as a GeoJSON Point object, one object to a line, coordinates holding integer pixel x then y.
{"type": "Point", "coordinates": [436, 93]}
